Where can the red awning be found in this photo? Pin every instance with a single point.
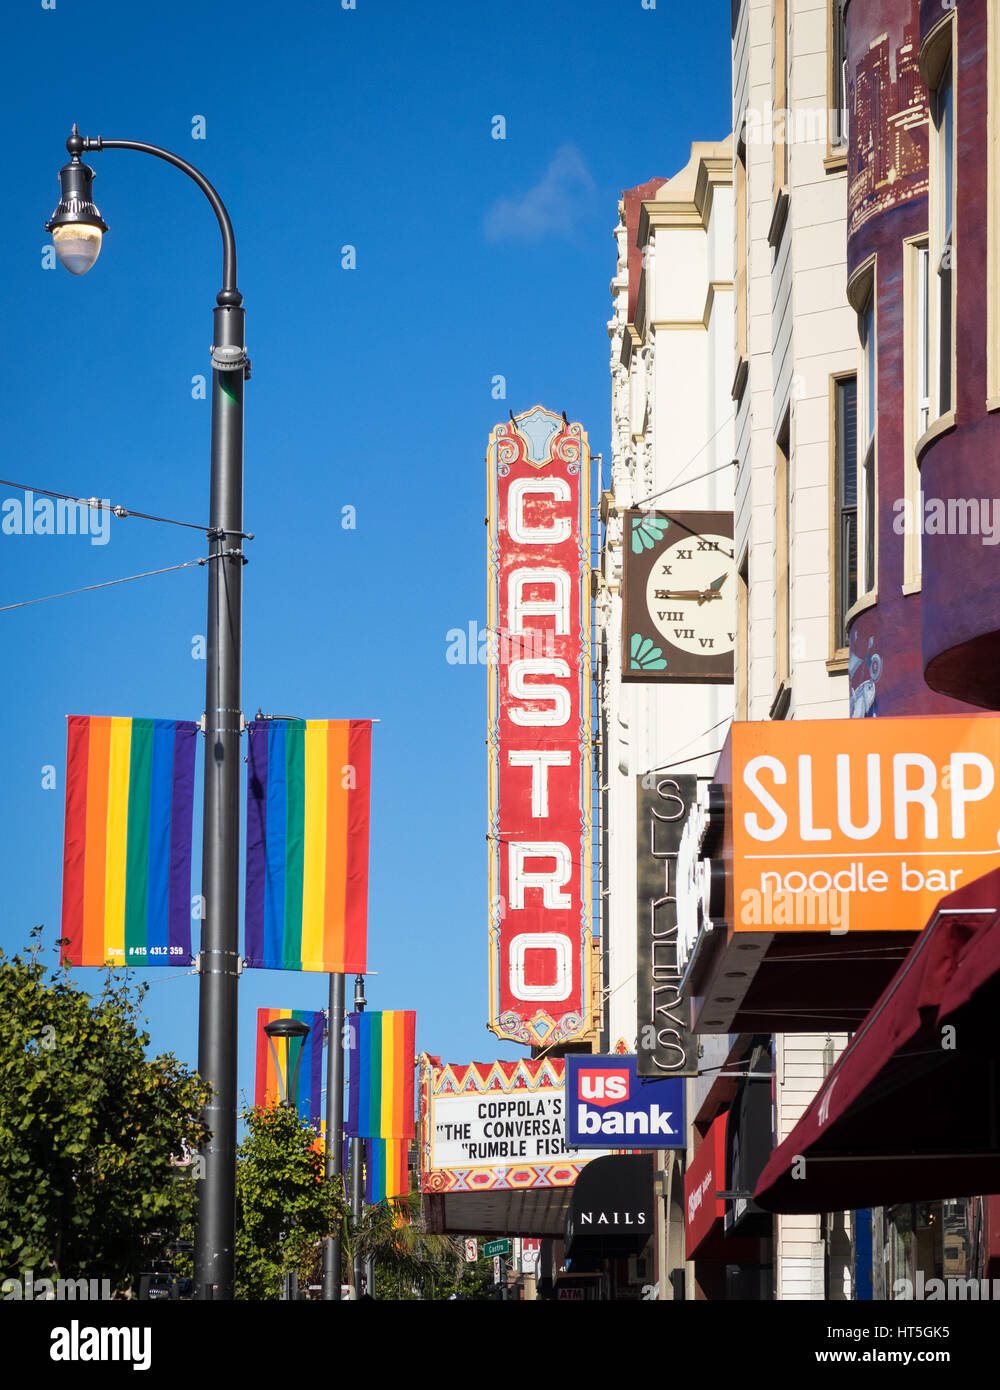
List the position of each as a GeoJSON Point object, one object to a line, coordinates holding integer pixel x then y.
{"type": "Point", "coordinates": [911, 1110]}
{"type": "Point", "coordinates": [703, 1210]}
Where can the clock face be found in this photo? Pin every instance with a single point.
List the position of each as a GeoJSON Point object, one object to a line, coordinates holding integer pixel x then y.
{"type": "Point", "coordinates": [690, 595]}
{"type": "Point", "coordinates": [680, 597]}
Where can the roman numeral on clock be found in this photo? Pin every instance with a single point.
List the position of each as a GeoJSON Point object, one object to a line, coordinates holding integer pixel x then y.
{"type": "Point", "coordinates": [665, 617]}
{"type": "Point", "coordinates": [707, 641]}
{"type": "Point", "coordinates": [683, 632]}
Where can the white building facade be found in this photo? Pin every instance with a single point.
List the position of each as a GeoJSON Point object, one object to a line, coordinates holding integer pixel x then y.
{"type": "Point", "coordinates": [796, 340]}
{"type": "Point", "coordinates": [672, 449]}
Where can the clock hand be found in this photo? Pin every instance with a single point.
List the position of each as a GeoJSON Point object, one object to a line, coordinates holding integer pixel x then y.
{"type": "Point", "coordinates": [714, 590]}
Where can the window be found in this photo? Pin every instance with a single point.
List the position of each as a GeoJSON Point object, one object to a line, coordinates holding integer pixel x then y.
{"type": "Point", "coordinates": [838, 76]}
{"type": "Point", "coordinates": [845, 505]}
{"type": "Point", "coordinates": [943, 232]}
{"type": "Point", "coordinates": [917, 359]}
{"type": "Point", "coordinates": [743, 639]}
{"type": "Point", "coordinates": [993, 208]}
{"type": "Point", "coordinates": [741, 252]}
{"type": "Point", "coordinates": [867, 416]}
{"type": "Point", "coordinates": [922, 402]}
{"type": "Point", "coordinates": [783, 510]}
{"type": "Point", "coordinates": [780, 85]}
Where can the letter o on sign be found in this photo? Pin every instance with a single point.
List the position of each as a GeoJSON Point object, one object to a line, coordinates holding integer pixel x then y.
{"type": "Point", "coordinates": [562, 969]}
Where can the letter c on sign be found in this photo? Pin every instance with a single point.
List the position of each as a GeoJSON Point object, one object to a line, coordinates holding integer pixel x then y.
{"type": "Point", "coordinates": [562, 969]}
{"type": "Point", "coordinates": [558, 489]}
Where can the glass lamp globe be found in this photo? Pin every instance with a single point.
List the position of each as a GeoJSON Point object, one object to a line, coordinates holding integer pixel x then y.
{"type": "Point", "coordinates": [77, 245]}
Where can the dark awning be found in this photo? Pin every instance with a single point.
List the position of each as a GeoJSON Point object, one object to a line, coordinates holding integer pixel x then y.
{"type": "Point", "coordinates": [748, 1146]}
{"type": "Point", "coordinates": [910, 1111]}
{"type": "Point", "coordinates": [611, 1207]}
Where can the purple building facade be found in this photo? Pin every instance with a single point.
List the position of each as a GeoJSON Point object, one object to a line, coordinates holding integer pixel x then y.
{"type": "Point", "coordinates": [888, 249]}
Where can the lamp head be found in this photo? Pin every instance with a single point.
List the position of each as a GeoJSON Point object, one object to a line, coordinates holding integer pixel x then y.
{"type": "Point", "coordinates": [287, 1028]}
{"type": "Point", "coordinates": [76, 225]}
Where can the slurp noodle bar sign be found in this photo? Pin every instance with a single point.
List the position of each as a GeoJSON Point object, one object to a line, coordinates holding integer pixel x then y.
{"type": "Point", "coordinates": [540, 759]}
{"type": "Point", "coordinates": [861, 824]}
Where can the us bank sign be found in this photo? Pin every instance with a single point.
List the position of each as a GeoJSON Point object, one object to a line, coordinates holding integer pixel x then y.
{"type": "Point", "coordinates": [608, 1104]}
{"type": "Point", "coordinates": [539, 735]}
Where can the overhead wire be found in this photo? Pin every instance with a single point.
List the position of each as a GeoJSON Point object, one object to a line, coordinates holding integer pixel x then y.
{"type": "Point", "coordinates": [103, 504]}
{"type": "Point", "coordinates": [106, 584]}
{"type": "Point", "coordinates": [675, 483]}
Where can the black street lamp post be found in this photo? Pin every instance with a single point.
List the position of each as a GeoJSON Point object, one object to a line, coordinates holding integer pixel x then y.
{"type": "Point", "coordinates": [358, 1152]}
{"type": "Point", "coordinates": [77, 231]}
{"type": "Point", "coordinates": [285, 1030]}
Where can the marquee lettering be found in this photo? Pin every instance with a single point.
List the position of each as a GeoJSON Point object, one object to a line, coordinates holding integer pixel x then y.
{"type": "Point", "coordinates": [539, 728]}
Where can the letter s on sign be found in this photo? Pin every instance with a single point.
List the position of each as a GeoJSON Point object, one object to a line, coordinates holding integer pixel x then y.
{"type": "Point", "coordinates": [539, 666]}
{"type": "Point", "coordinates": [752, 782]}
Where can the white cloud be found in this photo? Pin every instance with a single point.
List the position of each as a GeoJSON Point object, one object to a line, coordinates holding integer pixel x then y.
{"type": "Point", "coordinates": [553, 205]}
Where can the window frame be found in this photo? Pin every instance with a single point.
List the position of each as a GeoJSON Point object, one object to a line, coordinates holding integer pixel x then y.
{"type": "Point", "coordinates": [938, 67]}
{"type": "Point", "coordinates": [783, 490]}
{"type": "Point", "coordinates": [992, 207]}
{"type": "Point", "coordinates": [922, 379]}
{"type": "Point", "coordinates": [839, 115]}
{"type": "Point", "coordinates": [742, 277]}
{"type": "Point", "coordinates": [917, 396]}
{"type": "Point", "coordinates": [742, 681]}
{"type": "Point", "coordinates": [862, 290]}
{"type": "Point", "coordinates": [867, 455]}
{"type": "Point", "coordinates": [779, 90]}
{"type": "Point", "coordinates": [841, 599]}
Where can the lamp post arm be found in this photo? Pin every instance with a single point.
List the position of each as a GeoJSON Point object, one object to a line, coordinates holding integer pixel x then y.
{"type": "Point", "coordinates": [229, 294]}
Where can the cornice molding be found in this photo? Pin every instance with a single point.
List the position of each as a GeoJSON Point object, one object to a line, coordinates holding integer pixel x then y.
{"type": "Point", "coordinates": [713, 171]}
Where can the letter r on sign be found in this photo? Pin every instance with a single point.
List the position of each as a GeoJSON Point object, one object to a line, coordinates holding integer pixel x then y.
{"type": "Point", "coordinates": [549, 882]}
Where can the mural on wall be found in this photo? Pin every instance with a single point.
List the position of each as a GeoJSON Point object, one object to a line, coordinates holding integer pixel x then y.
{"type": "Point", "coordinates": [888, 102]}
{"type": "Point", "coordinates": [863, 672]}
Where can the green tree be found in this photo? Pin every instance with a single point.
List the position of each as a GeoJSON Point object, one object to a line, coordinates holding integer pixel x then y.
{"type": "Point", "coordinates": [95, 1178]}
{"type": "Point", "coordinates": [285, 1205]}
{"type": "Point", "coordinates": [471, 1281]}
{"type": "Point", "coordinates": [409, 1261]}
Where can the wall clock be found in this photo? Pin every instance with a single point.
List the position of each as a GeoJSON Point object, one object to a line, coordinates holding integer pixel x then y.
{"type": "Point", "coordinates": [679, 594]}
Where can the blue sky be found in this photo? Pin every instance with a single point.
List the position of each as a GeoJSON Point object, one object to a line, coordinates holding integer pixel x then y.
{"type": "Point", "coordinates": [475, 257]}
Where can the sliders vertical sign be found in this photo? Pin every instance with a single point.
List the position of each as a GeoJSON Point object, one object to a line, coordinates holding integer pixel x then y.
{"type": "Point", "coordinates": [666, 1044]}
{"type": "Point", "coordinates": [540, 756]}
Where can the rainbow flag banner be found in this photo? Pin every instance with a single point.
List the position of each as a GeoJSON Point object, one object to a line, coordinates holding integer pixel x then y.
{"type": "Point", "coordinates": [380, 1090]}
{"type": "Point", "coordinates": [308, 803]}
{"type": "Point", "coordinates": [386, 1171]}
{"type": "Point", "coordinates": [127, 843]}
{"type": "Point", "coordinates": [270, 1088]}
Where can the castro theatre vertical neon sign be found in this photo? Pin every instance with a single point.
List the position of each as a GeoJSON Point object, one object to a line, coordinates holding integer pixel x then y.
{"type": "Point", "coordinates": [540, 756]}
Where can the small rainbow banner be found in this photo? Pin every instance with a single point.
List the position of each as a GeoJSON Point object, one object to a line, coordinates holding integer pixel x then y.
{"type": "Point", "coordinates": [308, 806]}
{"type": "Point", "coordinates": [270, 1078]}
{"type": "Point", "coordinates": [380, 1090]}
{"type": "Point", "coordinates": [386, 1171]}
{"type": "Point", "coordinates": [127, 843]}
